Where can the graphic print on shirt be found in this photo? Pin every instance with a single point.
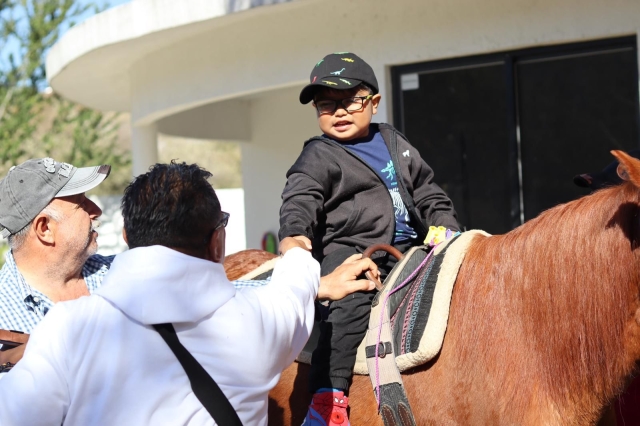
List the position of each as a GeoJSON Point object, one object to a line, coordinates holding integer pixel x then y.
{"type": "Point", "coordinates": [401, 212]}
{"type": "Point", "coordinates": [373, 151]}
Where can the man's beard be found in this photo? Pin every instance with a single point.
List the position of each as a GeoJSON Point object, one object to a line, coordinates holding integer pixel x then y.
{"type": "Point", "coordinates": [92, 246]}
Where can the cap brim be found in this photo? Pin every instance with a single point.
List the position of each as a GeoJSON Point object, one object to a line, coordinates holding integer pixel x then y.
{"type": "Point", "coordinates": [336, 83]}
{"type": "Point", "coordinates": [84, 179]}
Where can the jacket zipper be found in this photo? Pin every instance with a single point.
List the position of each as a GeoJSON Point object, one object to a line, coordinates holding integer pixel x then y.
{"type": "Point", "coordinates": [332, 142]}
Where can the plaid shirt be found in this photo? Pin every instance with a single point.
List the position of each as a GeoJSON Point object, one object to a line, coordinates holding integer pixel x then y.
{"type": "Point", "coordinates": [240, 284]}
{"type": "Point", "coordinates": [23, 307]}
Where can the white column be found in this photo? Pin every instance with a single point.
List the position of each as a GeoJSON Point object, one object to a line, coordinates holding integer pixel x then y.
{"type": "Point", "coordinates": [144, 147]}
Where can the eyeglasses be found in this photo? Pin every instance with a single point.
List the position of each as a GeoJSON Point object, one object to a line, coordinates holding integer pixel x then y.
{"type": "Point", "coordinates": [327, 106]}
{"type": "Point", "coordinates": [223, 222]}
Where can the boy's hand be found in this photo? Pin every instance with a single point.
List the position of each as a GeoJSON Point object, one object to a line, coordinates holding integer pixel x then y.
{"type": "Point", "coordinates": [290, 242]}
{"type": "Point", "coordinates": [303, 239]}
{"type": "Point", "coordinates": [344, 280]}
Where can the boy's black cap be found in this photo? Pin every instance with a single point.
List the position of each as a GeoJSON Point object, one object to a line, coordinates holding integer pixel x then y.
{"type": "Point", "coordinates": [341, 71]}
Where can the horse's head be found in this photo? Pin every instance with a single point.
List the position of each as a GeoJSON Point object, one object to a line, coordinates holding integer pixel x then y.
{"type": "Point", "coordinates": [628, 168]}
{"type": "Point", "coordinates": [605, 177]}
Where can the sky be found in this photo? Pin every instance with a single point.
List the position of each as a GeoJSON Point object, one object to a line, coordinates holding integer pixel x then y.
{"type": "Point", "coordinates": [10, 46]}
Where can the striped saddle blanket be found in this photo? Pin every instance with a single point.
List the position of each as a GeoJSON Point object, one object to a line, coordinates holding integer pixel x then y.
{"type": "Point", "coordinates": [417, 294]}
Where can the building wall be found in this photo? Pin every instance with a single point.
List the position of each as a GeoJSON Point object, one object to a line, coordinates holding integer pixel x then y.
{"type": "Point", "coordinates": [272, 50]}
{"type": "Point", "coordinates": [110, 239]}
{"type": "Point", "coordinates": [265, 56]}
{"type": "Point", "coordinates": [279, 127]}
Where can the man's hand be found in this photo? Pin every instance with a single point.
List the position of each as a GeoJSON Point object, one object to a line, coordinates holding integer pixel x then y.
{"type": "Point", "coordinates": [12, 355]}
{"type": "Point", "coordinates": [344, 280]}
{"type": "Point", "coordinates": [298, 241]}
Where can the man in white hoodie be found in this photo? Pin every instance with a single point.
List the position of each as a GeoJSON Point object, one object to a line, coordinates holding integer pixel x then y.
{"type": "Point", "coordinates": [98, 360]}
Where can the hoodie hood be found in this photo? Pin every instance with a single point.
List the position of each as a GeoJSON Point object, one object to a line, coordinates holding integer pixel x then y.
{"type": "Point", "coordinates": [155, 285]}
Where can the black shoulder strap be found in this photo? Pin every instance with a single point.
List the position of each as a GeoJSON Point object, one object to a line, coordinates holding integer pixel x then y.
{"type": "Point", "coordinates": [203, 385]}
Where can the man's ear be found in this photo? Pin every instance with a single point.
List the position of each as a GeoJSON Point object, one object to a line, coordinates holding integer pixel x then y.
{"type": "Point", "coordinates": [124, 236]}
{"type": "Point", "coordinates": [216, 250]}
{"type": "Point", "coordinates": [44, 228]}
{"type": "Point", "coordinates": [375, 101]}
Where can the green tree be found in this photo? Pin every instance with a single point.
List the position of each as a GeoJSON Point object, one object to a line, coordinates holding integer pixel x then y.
{"type": "Point", "coordinates": [34, 123]}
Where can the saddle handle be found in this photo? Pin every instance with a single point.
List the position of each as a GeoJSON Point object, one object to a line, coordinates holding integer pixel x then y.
{"type": "Point", "coordinates": [380, 247]}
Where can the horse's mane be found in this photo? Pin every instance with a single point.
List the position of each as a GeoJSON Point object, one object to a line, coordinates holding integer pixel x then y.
{"type": "Point", "coordinates": [555, 294]}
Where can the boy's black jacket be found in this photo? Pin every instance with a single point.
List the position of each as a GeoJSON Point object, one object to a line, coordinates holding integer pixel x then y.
{"type": "Point", "coordinates": [337, 200]}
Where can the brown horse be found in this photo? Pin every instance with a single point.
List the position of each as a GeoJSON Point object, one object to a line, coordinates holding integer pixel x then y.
{"type": "Point", "coordinates": [544, 325]}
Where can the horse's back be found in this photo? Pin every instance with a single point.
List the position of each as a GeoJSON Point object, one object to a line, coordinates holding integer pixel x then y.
{"type": "Point", "coordinates": [242, 262]}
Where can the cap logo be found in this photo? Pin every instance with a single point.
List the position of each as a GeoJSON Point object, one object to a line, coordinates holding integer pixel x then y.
{"type": "Point", "coordinates": [338, 72]}
{"type": "Point", "coordinates": [345, 81]}
{"type": "Point", "coordinates": [65, 169]}
{"type": "Point", "coordinates": [331, 83]}
{"type": "Point", "coordinates": [49, 165]}
{"type": "Point", "coordinates": [347, 59]}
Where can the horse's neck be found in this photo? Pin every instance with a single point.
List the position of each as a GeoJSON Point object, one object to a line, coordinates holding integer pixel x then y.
{"type": "Point", "coordinates": [503, 343]}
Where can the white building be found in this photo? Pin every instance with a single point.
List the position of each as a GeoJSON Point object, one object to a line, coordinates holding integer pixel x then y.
{"type": "Point", "coordinates": [231, 70]}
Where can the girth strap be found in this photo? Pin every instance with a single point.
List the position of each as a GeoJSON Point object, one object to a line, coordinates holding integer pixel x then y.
{"type": "Point", "coordinates": [384, 374]}
{"type": "Point", "coordinates": [393, 403]}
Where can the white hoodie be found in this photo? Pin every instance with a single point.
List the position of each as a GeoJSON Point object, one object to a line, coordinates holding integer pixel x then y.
{"type": "Point", "coordinates": [97, 361]}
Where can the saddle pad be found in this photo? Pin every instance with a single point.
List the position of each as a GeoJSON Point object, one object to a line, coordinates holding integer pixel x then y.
{"type": "Point", "coordinates": [415, 345]}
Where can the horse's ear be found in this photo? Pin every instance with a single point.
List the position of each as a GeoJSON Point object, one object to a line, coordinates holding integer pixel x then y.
{"type": "Point", "coordinates": [629, 167]}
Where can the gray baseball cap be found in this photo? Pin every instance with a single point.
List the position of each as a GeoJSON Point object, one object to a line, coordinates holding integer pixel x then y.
{"type": "Point", "coordinates": [29, 188]}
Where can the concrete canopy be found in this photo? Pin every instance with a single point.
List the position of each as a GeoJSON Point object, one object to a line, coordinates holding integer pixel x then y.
{"type": "Point", "coordinates": [102, 62]}
{"type": "Point", "coordinates": [232, 69]}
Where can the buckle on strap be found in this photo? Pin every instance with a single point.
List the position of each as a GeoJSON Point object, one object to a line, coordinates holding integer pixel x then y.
{"type": "Point", "coordinates": [384, 348]}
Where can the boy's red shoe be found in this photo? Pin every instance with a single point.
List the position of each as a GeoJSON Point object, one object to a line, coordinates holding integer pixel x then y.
{"type": "Point", "coordinates": [328, 408]}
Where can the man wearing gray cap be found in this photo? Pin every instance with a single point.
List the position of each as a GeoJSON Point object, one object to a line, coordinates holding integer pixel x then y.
{"type": "Point", "coordinates": [50, 225]}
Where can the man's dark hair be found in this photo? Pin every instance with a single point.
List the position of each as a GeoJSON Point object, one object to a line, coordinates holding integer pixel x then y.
{"type": "Point", "coordinates": [171, 205]}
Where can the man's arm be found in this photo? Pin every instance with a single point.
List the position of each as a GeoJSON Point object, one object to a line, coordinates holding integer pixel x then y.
{"type": "Point", "coordinates": [287, 302]}
{"type": "Point", "coordinates": [38, 381]}
{"type": "Point", "coordinates": [344, 279]}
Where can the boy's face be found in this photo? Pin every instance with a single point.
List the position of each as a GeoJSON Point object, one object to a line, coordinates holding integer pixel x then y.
{"type": "Point", "coordinates": [343, 125]}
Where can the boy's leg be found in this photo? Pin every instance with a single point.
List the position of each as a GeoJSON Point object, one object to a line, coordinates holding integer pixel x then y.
{"type": "Point", "coordinates": [340, 334]}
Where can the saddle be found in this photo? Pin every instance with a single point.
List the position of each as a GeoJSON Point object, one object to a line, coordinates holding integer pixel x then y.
{"type": "Point", "coordinates": [418, 312]}
{"type": "Point", "coordinates": [408, 321]}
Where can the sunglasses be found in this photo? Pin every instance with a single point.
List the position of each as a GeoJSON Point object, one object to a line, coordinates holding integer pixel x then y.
{"type": "Point", "coordinates": [223, 222]}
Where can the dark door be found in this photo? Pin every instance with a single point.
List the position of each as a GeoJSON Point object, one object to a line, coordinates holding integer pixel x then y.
{"type": "Point", "coordinates": [505, 133]}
